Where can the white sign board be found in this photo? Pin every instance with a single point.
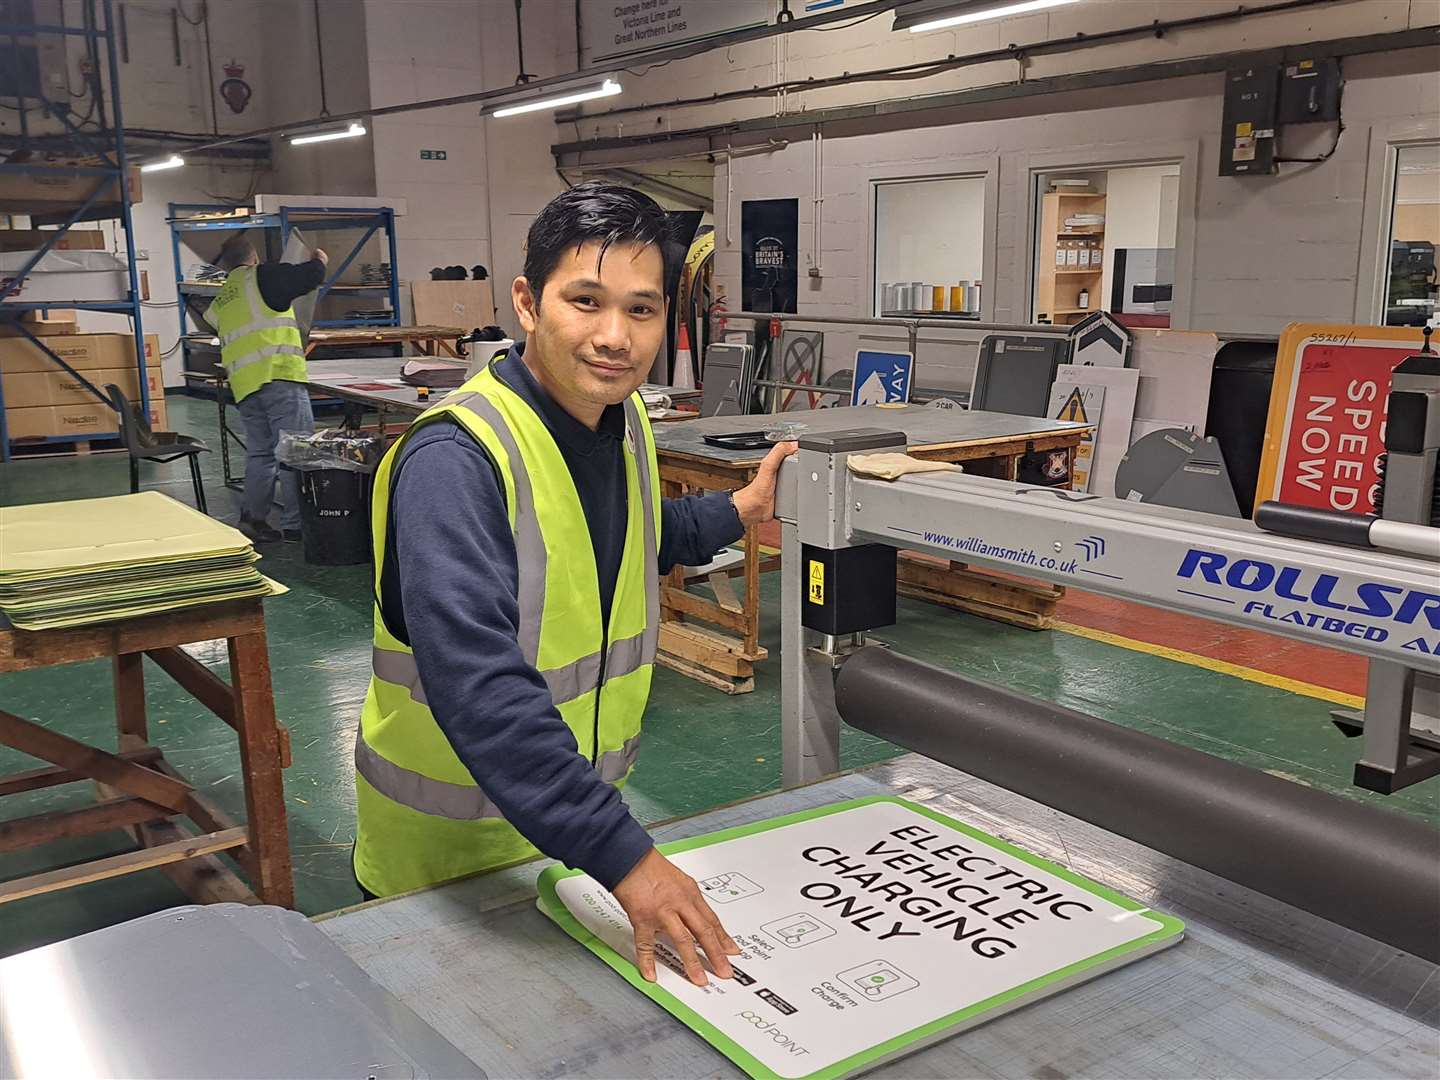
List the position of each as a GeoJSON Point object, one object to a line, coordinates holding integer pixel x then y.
{"type": "Point", "coordinates": [868, 930]}
{"type": "Point", "coordinates": [1083, 404]}
{"type": "Point", "coordinates": [1112, 437]}
{"type": "Point", "coordinates": [621, 27]}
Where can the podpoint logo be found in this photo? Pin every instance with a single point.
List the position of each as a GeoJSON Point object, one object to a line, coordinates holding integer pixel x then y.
{"type": "Point", "coordinates": [771, 1031]}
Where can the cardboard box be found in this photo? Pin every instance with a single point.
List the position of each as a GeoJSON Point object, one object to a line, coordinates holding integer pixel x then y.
{"type": "Point", "coordinates": [65, 276]}
{"type": "Point", "coordinates": [83, 352]}
{"type": "Point", "coordinates": [69, 239]}
{"type": "Point", "coordinates": [65, 389]}
{"type": "Point", "coordinates": [43, 323]}
{"type": "Point", "coordinates": [96, 420]}
{"type": "Point", "coordinates": [466, 304]}
{"type": "Point", "coordinates": [40, 194]}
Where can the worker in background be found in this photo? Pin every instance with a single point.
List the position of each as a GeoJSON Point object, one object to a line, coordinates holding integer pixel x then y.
{"type": "Point", "coordinates": [519, 541]}
{"type": "Point", "coordinates": [264, 360]}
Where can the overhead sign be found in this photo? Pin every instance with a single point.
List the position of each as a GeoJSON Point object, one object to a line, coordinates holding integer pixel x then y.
{"type": "Point", "coordinates": [622, 27]}
{"type": "Point", "coordinates": [881, 377]}
{"type": "Point", "coordinates": [1325, 430]}
{"type": "Point", "coordinates": [868, 930]}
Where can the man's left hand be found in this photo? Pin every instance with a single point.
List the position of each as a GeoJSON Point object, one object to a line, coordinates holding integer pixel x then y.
{"type": "Point", "coordinates": [755, 502]}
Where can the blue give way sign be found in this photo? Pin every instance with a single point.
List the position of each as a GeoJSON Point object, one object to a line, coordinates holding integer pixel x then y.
{"type": "Point", "coordinates": [881, 377]}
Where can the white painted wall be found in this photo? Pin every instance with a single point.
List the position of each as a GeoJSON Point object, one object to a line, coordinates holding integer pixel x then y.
{"type": "Point", "coordinates": [1254, 253]}
{"type": "Point", "coordinates": [931, 231]}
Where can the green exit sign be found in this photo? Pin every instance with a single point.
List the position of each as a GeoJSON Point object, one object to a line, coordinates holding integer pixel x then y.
{"type": "Point", "coordinates": [432, 155]}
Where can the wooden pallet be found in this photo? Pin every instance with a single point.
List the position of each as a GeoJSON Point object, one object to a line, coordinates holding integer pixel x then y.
{"type": "Point", "coordinates": [98, 445]}
{"type": "Point", "coordinates": [1027, 604]}
{"type": "Point", "coordinates": [708, 656]}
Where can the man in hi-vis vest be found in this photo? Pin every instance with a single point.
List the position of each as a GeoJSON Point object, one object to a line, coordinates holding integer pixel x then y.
{"type": "Point", "coordinates": [519, 541]}
{"type": "Point", "coordinates": [264, 361]}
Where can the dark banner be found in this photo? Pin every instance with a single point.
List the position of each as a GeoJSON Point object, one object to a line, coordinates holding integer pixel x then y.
{"type": "Point", "coordinates": [769, 238]}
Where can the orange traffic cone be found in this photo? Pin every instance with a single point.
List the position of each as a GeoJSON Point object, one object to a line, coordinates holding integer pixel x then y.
{"type": "Point", "coordinates": [684, 378]}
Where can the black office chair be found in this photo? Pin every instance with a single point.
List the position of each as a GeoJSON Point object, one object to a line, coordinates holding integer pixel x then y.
{"type": "Point", "coordinates": [162, 446]}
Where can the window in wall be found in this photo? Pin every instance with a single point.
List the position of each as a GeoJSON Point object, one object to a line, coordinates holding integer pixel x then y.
{"type": "Point", "coordinates": [930, 246]}
{"type": "Point", "coordinates": [1414, 235]}
{"type": "Point", "coordinates": [1105, 241]}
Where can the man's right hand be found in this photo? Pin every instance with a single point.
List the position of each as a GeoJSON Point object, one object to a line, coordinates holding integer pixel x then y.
{"type": "Point", "coordinates": [319, 253]}
{"type": "Point", "coordinates": [659, 897]}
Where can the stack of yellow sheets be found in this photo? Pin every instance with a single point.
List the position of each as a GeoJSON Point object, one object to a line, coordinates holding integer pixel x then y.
{"type": "Point", "coordinates": [92, 560]}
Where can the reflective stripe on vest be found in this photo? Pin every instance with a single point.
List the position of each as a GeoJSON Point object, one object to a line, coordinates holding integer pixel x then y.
{"type": "Point", "coordinates": [265, 352]}
{"type": "Point", "coordinates": [566, 683]}
{"type": "Point", "coordinates": [623, 657]}
{"type": "Point", "coordinates": [461, 802]}
{"type": "Point", "coordinates": [285, 322]}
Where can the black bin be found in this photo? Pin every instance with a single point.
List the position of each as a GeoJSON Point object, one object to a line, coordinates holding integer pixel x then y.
{"type": "Point", "coordinates": [335, 516]}
{"type": "Point", "coordinates": [1239, 407]}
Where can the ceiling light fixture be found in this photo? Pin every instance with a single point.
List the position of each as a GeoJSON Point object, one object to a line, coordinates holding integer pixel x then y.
{"type": "Point", "coordinates": [609, 88]}
{"type": "Point", "coordinates": [174, 161]}
{"type": "Point", "coordinates": [350, 132]}
{"type": "Point", "coordinates": [940, 16]}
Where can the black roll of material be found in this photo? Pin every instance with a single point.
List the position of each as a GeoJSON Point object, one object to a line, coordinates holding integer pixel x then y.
{"type": "Point", "coordinates": [1371, 870]}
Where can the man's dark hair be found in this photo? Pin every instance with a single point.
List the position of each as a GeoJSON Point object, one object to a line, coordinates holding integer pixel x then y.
{"type": "Point", "coordinates": [236, 251]}
{"type": "Point", "coordinates": [609, 213]}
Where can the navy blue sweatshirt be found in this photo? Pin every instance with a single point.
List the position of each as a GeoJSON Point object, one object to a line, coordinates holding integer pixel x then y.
{"type": "Point", "coordinates": [449, 589]}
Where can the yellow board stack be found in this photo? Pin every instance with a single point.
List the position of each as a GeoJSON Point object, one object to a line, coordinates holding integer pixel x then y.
{"type": "Point", "coordinates": [82, 561]}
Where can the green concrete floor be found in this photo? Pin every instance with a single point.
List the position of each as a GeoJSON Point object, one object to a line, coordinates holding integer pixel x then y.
{"type": "Point", "coordinates": [701, 748]}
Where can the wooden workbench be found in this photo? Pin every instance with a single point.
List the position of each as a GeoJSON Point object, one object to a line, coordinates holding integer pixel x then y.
{"type": "Point", "coordinates": [430, 340]}
{"type": "Point", "coordinates": [723, 654]}
{"type": "Point", "coordinates": [137, 789]}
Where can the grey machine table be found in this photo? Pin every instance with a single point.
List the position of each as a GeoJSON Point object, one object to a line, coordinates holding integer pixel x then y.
{"type": "Point", "coordinates": [1313, 921]}
{"type": "Point", "coordinates": [984, 443]}
{"type": "Point", "coordinates": [1257, 989]}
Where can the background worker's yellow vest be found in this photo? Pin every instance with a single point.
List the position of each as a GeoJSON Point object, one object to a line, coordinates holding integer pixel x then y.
{"type": "Point", "coordinates": [257, 343]}
{"type": "Point", "coordinates": [422, 818]}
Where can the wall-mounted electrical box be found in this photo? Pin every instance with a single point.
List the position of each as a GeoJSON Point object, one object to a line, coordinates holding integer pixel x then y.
{"type": "Point", "coordinates": [1247, 139]}
{"type": "Point", "coordinates": [1310, 91]}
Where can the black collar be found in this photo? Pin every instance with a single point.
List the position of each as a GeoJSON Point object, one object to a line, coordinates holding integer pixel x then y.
{"type": "Point", "coordinates": [567, 431]}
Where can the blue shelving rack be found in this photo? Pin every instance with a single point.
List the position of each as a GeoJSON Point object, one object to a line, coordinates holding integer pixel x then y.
{"type": "Point", "coordinates": [186, 218]}
{"type": "Point", "coordinates": [112, 175]}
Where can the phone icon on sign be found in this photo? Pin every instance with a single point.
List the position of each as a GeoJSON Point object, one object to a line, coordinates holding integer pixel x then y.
{"type": "Point", "coordinates": [877, 980]}
{"type": "Point", "coordinates": [727, 888]}
{"type": "Point", "coordinates": [797, 930]}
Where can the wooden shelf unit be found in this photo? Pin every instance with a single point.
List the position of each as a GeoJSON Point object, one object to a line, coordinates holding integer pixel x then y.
{"type": "Point", "coordinates": [1057, 288]}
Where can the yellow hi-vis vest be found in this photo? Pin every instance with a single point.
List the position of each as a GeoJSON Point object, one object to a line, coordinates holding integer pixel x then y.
{"type": "Point", "coordinates": [421, 817]}
{"type": "Point", "coordinates": [257, 343]}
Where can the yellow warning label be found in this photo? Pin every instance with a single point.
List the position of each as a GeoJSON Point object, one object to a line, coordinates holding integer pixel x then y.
{"type": "Point", "coordinates": [817, 582]}
{"type": "Point", "coordinates": [1241, 130]}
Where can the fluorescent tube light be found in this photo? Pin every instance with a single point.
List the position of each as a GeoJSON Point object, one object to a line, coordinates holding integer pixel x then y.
{"type": "Point", "coordinates": [327, 136]}
{"type": "Point", "coordinates": [174, 161]}
{"type": "Point", "coordinates": [609, 88]}
{"type": "Point", "coordinates": [974, 14]}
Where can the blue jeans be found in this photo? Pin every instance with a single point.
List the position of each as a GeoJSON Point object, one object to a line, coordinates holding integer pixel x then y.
{"type": "Point", "coordinates": [277, 406]}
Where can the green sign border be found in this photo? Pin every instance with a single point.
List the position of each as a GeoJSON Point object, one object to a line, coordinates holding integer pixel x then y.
{"type": "Point", "coordinates": [554, 907]}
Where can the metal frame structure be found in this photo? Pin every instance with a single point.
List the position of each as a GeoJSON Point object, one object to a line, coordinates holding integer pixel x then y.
{"type": "Point", "coordinates": [112, 174]}
{"type": "Point", "coordinates": [200, 217]}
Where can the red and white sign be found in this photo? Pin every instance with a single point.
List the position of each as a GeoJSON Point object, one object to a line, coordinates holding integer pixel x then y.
{"type": "Point", "coordinates": [1326, 428]}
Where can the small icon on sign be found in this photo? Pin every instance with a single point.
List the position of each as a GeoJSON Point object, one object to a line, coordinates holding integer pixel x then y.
{"type": "Point", "coordinates": [1092, 546]}
{"type": "Point", "coordinates": [878, 980]}
{"type": "Point", "coordinates": [727, 888]}
{"type": "Point", "coordinates": [797, 930]}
